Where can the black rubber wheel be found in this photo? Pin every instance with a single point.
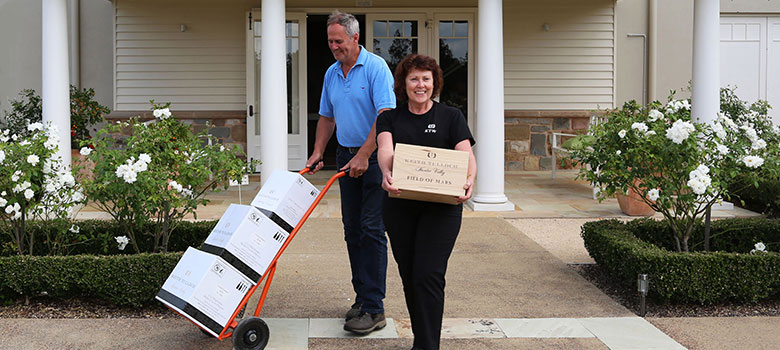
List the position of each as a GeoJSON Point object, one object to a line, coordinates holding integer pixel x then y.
{"type": "Point", "coordinates": [251, 334]}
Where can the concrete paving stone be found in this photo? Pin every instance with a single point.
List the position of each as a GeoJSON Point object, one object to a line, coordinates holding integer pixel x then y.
{"type": "Point", "coordinates": [460, 344]}
{"type": "Point", "coordinates": [620, 333]}
{"type": "Point", "coordinates": [288, 333]}
{"type": "Point", "coordinates": [543, 328]}
{"type": "Point", "coordinates": [470, 328]}
{"type": "Point", "coordinates": [334, 328]}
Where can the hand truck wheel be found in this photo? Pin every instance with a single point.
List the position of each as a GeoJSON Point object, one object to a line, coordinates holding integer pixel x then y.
{"type": "Point", "coordinates": [251, 334]}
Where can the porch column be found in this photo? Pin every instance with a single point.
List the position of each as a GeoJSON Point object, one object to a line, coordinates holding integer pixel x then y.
{"type": "Point", "coordinates": [489, 190]}
{"type": "Point", "coordinates": [705, 97]}
{"type": "Point", "coordinates": [273, 90]}
{"type": "Point", "coordinates": [55, 88]}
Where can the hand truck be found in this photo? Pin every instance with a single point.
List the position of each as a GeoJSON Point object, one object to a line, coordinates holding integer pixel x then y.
{"type": "Point", "coordinates": [252, 333]}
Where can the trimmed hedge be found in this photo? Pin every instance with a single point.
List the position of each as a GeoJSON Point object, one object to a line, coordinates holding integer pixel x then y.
{"type": "Point", "coordinates": [728, 273]}
{"type": "Point", "coordinates": [121, 278]}
{"type": "Point", "coordinates": [97, 237]}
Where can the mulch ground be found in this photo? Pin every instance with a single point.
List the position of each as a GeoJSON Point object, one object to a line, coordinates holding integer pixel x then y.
{"type": "Point", "coordinates": [44, 307]}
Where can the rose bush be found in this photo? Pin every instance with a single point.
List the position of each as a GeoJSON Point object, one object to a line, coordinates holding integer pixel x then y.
{"type": "Point", "coordinates": [158, 176]}
{"type": "Point", "coordinates": [679, 166]}
{"type": "Point", "coordinates": [35, 184]}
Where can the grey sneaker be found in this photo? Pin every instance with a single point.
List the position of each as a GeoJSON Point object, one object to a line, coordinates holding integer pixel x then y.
{"type": "Point", "coordinates": [366, 323]}
{"type": "Point", "coordinates": [354, 311]}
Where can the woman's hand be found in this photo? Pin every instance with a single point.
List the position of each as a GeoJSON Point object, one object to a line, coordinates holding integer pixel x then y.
{"type": "Point", "coordinates": [467, 187]}
{"type": "Point", "coordinates": [387, 184]}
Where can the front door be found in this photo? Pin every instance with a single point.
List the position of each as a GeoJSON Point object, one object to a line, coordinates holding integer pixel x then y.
{"type": "Point", "coordinates": [295, 29]}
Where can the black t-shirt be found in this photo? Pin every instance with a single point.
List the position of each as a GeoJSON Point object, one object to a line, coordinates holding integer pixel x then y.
{"type": "Point", "coordinates": [442, 126]}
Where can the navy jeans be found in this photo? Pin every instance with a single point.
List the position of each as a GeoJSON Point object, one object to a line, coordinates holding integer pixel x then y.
{"type": "Point", "coordinates": [361, 212]}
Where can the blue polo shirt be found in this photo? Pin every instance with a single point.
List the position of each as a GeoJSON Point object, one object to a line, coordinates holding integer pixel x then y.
{"type": "Point", "coordinates": [355, 101]}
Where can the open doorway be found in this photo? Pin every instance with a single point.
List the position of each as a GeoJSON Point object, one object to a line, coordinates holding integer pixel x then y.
{"type": "Point", "coordinates": [320, 58]}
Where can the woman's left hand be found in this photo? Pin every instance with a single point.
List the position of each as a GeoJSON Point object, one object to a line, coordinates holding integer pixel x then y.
{"type": "Point", "coordinates": [468, 186]}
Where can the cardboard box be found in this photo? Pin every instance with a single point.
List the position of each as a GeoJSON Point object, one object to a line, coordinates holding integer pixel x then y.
{"type": "Point", "coordinates": [246, 239]}
{"type": "Point", "coordinates": [205, 289]}
{"type": "Point", "coordinates": [429, 174]}
{"type": "Point", "coordinates": [285, 197]}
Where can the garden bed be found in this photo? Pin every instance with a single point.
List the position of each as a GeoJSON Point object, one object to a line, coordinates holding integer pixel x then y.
{"type": "Point", "coordinates": [728, 274]}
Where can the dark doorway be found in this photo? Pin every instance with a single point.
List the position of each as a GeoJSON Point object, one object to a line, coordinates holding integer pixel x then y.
{"type": "Point", "coordinates": [319, 59]}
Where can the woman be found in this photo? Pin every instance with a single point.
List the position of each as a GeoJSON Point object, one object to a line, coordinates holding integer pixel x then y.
{"type": "Point", "coordinates": [422, 234]}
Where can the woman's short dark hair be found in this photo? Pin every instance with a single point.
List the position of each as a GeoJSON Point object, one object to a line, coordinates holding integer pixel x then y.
{"type": "Point", "coordinates": [420, 62]}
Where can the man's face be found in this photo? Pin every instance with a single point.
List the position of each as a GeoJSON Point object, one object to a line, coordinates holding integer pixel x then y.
{"type": "Point", "coordinates": [344, 48]}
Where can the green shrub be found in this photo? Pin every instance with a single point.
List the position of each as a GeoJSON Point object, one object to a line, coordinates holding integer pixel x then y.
{"type": "Point", "coordinates": [132, 280]}
{"type": "Point", "coordinates": [729, 273]}
{"type": "Point", "coordinates": [97, 268]}
{"type": "Point", "coordinates": [96, 237]}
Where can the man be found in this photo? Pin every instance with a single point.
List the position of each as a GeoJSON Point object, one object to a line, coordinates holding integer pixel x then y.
{"type": "Point", "coordinates": [357, 88]}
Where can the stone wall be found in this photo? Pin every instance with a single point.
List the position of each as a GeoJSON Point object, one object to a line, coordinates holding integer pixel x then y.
{"type": "Point", "coordinates": [528, 136]}
{"type": "Point", "coordinates": [229, 127]}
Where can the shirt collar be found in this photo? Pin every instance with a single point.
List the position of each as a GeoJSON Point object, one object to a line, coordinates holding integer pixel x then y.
{"type": "Point", "coordinates": [361, 60]}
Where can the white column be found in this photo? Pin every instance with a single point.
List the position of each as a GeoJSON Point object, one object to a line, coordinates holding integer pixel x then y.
{"type": "Point", "coordinates": [705, 99]}
{"type": "Point", "coordinates": [489, 150]}
{"type": "Point", "coordinates": [273, 89]}
{"type": "Point", "coordinates": [55, 91]}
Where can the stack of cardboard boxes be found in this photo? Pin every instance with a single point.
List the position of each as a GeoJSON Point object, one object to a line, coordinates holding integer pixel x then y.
{"type": "Point", "coordinates": [207, 285]}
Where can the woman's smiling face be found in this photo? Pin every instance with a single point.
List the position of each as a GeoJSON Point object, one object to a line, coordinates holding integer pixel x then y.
{"type": "Point", "coordinates": [419, 86]}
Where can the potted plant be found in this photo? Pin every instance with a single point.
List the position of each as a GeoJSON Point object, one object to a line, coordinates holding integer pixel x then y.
{"type": "Point", "coordinates": [677, 166]}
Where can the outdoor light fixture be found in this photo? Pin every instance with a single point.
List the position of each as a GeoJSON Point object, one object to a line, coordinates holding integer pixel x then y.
{"type": "Point", "coordinates": [642, 285]}
{"type": "Point", "coordinates": [183, 28]}
{"type": "Point", "coordinates": [546, 27]}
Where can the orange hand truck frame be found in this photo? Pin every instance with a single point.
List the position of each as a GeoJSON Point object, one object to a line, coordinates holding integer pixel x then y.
{"type": "Point", "coordinates": [252, 333]}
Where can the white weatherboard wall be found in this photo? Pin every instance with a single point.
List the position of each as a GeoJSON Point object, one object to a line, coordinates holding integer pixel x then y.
{"type": "Point", "coordinates": [571, 66]}
{"type": "Point", "coordinates": [202, 68]}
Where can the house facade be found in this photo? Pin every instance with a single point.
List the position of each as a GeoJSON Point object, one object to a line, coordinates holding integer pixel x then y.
{"type": "Point", "coordinates": [518, 69]}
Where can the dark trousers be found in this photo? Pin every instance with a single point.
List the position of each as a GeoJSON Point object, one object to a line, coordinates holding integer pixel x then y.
{"type": "Point", "coordinates": [361, 212]}
{"type": "Point", "coordinates": [422, 235]}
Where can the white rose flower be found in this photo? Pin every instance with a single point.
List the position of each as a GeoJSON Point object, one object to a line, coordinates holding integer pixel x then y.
{"type": "Point", "coordinates": [650, 133]}
{"type": "Point", "coordinates": [24, 143]}
{"type": "Point", "coordinates": [3, 202]}
{"type": "Point", "coordinates": [33, 159]}
{"type": "Point", "coordinates": [35, 126]}
{"type": "Point", "coordinates": [3, 193]}
{"type": "Point", "coordinates": [50, 144]}
{"type": "Point", "coordinates": [654, 115]}
{"type": "Point", "coordinates": [145, 158]}
{"type": "Point", "coordinates": [221, 148]}
{"type": "Point", "coordinates": [723, 149]}
{"type": "Point", "coordinates": [163, 113]}
{"type": "Point", "coordinates": [122, 242]}
{"type": "Point", "coordinates": [679, 131]}
{"type": "Point", "coordinates": [753, 161]}
{"type": "Point", "coordinates": [760, 247]}
{"type": "Point", "coordinates": [74, 229]}
{"type": "Point", "coordinates": [175, 185]}
{"type": "Point", "coordinates": [758, 144]}
{"type": "Point", "coordinates": [619, 152]}
{"type": "Point", "coordinates": [2, 156]}
{"type": "Point", "coordinates": [622, 133]}
{"type": "Point", "coordinates": [17, 174]}
{"type": "Point", "coordinates": [653, 194]}
{"type": "Point", "coordinates": [85, 151]}
{"type": "Point", "coordinates": [14, 137]}
{"type": "Point", "coordinates": [719, 131]}
{"type": "Point", "coordinates": [28, 194]}
{"type": "Point", "coordinates": [9, 209]}
{"type": "Point", "coordinates": [641, 127]}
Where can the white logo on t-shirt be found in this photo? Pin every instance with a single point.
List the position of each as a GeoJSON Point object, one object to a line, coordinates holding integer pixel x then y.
{"type": "Point", "coordinates": [431, 129]}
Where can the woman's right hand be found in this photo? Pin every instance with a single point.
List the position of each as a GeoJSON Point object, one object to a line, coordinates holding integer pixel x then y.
{"type": "Point", "coordinates": [387, 184]}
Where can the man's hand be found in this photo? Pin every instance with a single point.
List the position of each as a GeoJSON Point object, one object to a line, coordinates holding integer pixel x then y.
{"type": "Point", "coordinates": [357, 165]}
{"type": "Point", "coordinates": [314, 163]}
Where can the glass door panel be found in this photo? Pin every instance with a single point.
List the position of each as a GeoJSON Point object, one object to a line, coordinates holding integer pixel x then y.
{"type": "Point", "coordinates": [393, 37]}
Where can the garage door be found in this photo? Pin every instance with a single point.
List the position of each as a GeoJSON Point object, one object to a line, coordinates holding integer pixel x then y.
{"type": "Point", "coordinates": [750, 58]}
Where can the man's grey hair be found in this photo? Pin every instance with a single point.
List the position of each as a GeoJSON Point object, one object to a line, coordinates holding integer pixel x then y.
{"type": "Point", "coordinates": [348, 21]}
